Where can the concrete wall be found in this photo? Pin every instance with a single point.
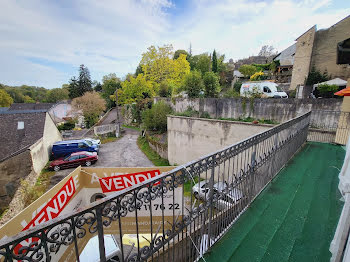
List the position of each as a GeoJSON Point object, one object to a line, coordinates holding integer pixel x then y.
{"type": "Point", "coordinates": [324, 55]}
{"type": "Point", "coordinates": [279, 110]}
{"type": "Point", "coordinates": [186, 136]}
{"type": "Point", "coordinates": [12, 171]}
{"type": "Point", "coordinates": [302, 58]}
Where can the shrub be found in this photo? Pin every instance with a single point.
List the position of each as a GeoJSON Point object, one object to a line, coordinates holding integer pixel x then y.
{"type": "Point", "coordinates": [327, 90]}
{"type": "Point", "coordinates": [231, 93]}
{"type": "Point", "coordinates": [193, 84]}
{"type": "Point", "coordinates": [247, 70]}
{"type": "Point", "coordinates": [69, 125]}
{"type": "Point", "coordinates": [237, 86]}
{"type": "Point", "coordinates": [257, 76]}
{"type": "Point", "coordinates": [315, 77]}
{"type": "Point", "coordinates": [155, 119]}
{"type": "Point", "coordinates": [211, 84]}
{"type": "Point", "coordinates": [189, 112]}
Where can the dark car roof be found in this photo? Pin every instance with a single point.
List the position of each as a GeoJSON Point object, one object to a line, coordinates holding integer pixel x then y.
{"type": "Point", "coordinates": [69, 142]}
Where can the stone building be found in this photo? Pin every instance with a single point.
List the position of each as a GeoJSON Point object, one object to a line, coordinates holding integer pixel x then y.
{"type": "Point", "coordinates": [26, 137]}
{"type": "Point", "coordinates": [318, 48]}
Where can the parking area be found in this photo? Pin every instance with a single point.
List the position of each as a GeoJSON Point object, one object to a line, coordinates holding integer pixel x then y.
{"type": "Point", "coordinates": [123, 152]}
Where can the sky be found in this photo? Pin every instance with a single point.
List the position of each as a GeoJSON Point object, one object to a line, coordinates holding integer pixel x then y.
{"type": "Point", "coordinates": [42, 43]}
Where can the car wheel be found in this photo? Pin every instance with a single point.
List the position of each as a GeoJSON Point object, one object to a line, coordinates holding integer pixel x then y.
{"type": "Point", "coordinates": [88, 163]}
{"type": "Point", "coordinates": [56, 168]}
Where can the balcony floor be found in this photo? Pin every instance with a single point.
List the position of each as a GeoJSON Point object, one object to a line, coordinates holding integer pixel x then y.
{"type": "Point", "coordinates": [295, 217]}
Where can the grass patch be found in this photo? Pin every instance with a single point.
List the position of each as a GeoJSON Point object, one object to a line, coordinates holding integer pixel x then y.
{"type": "Point", "coordinates": [105, 140]}
{"type": "Point", "coordinates": [251, 119]}
{"type": "Point", "coordinates": [32, 193]}
{"type": "Point", "coordinates": [189, 184]}
{"type": "Point", "coordinates": [132, 127]}
{"type": "Point", "coordinates": [150, 153]}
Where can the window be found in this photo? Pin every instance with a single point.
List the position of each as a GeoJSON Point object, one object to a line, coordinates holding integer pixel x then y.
{"type": "Point", "coordinates": [72, 158]}
{"type": "Point", "coordinates": [267, 90]}
{"type": "Point", "coordinates": [82, 156]}
{"type": "Point", "coordinates": [20, 125]}
{"type": "Point", "coordinates": [82, 145]}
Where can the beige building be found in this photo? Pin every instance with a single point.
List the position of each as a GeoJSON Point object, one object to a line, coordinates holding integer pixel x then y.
{"type": "Point", "coordinates": [318, 48]}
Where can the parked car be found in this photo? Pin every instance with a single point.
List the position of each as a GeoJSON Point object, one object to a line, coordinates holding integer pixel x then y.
{"type": "Point", "coordinates": [65, 148]}
{"type": "Point", "coordinates": [112, 251]}
{"type": "Point", "coordinates": [75, 159]}
{"type": "Point", "coordinates": [93, 141]}
{"type": "Point", "coordinates": [266, 88]}
{"type": "Point", "coordinates": [228, 197]}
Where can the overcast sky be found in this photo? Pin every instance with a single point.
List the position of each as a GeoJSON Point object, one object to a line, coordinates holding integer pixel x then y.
{"type": "Point", "coordinates": [43, 43]}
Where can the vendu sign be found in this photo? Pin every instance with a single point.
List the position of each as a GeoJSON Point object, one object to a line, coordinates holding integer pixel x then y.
{"type": "Point", "coordinates": [117, 183]}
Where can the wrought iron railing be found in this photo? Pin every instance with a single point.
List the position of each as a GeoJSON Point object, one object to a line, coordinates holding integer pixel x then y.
{"type": "Point", "coordinates": [196, 221]}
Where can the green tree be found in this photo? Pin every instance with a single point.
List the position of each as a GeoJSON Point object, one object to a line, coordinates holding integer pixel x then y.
{"type": "Point", "coordinates": [248, 70]}
{"type": "Point", "coordinates": [96, 85]}
{"type": "Point", "coordinates": [211, 84]}
{"type": "Point", "coordinates": [109, 86]}
{"type": "Point", "coordinates": [5, 99]}
{"type": "Point", "coordinates": [214, 63]}
{"type": "Point", "coordinates": [179, 52]}
{"type": "Point", "coordinates": [201, 63]}
{"type": "Point", "coordinates": [138, 70]}
{"type": "Point", "coordinates": [134, 90]}
{"type": "Point", "coordinates": [57, 94]}
{"type": "Point", "coordinates": [155, 119]}
{"type": "Point", "coordinates": [77, 87]}
{"type": "Point", "coordinates": [193, 84]}
{"type": "Point", "coordinates": [315, 77]}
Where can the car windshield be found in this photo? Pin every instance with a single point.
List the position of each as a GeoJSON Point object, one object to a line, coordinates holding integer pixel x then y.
{"type": "Point", "coordinates": [88, 142]}
{"type": "Point", "coordinates": [89, 153]}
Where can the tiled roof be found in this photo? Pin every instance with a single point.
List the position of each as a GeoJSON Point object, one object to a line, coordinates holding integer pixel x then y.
{"type": "Point", "coordinates": [31, 106]}
{"type": "Point", "coordinates": [13, 139]}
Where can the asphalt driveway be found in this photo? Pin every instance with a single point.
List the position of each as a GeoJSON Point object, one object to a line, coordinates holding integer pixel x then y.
{"type": "Point", "coordinates": [121, 153]}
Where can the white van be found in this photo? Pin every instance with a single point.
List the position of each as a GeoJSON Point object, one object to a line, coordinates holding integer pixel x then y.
{"type": "Point", "coordinates": [266, 88]}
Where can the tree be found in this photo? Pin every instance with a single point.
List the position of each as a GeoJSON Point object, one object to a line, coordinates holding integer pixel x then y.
{"type": "Point", "coordinates": [155, 119]}
{"type": "Point", "coordinates": [247, 70]}
{"type": "Point", "coordinates": [315, 77]}
{"type": "Point", "coordinates": [134, 90]}
{"type": "Point", "coordinates": [158, 66]}
{"type": "Point", "coordinates": [193, 84]}
{"type": "Point", "coordinates": [138, 70]}
{"type": "Point", "coordinates": [5, 99]}
{"type": "Point", "coordinates": [109, 86]}
{"type": "Point", "coordinates": [211, 84]}
{"type": "Point", "coordinates": [77, 87]}
{"type": "Point", "coordinates": [73, 88]}
{"type": "Point", "coordinates": [201, 63]}
{"type": "Point", "coordinates": [96, 85]}
{"type": "Point", "coordinates": [267, 51]}
{"type": "Point", "coordinates": [214, 67]}
{"type": "Point", "coordinates": [179, 52]}
{"type": "Point", "coordinates": [57, 94]}
{"type": "Point", "coordinates": [91, 105]}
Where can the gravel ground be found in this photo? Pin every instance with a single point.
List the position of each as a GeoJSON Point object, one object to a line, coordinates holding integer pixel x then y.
{"type": "Point", "coordinates": [121, 153]}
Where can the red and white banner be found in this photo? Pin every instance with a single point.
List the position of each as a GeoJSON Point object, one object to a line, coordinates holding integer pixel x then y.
{"type": "Point", "coordinates": [117, 183]}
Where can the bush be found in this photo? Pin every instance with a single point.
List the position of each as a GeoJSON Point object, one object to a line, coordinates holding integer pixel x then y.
{"type": "Point", "coordinates": [248, 70]}
{"type": "Point", "coordinates": [211, 84]}
{"type": "Point", "coordinates": [231, 93]}
{"type": "Point", "coordinates": [165, 90]}
{"type": "Point", "coordinates": [258, 76]}
{"type": "Point", "coordinates": [327, 90]}
{"type": "Point", "coordinates": [189, 113]}
{"type": "Point", "coordinates": [315, 77]}
{"type": "Point", "coordinates": [193, 84]}
{"type": "Point", "coordinates": [69, 125]}
{"type": "Point", "coordinates": [155, 119]}
{"type": "Point", "coordinates": [237, 86]}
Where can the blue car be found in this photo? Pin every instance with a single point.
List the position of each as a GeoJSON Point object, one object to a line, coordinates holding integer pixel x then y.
{"type": "Point", "coordinates": [65, 148]}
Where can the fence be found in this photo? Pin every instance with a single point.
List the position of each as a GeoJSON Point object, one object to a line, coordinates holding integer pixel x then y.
{"type": "Point", "coordinates": [245, 168]}
{"type": "Point", "coordinates": [329, 126]}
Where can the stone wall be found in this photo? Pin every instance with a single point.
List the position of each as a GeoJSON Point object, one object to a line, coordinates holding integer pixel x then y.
{"type": "Point", "coordinates": [279, 110]}
{"type": "Point", "coordinates": [12, 171]}
{"type": "Point", "coordinates": [160, 148]}
{"type": "Point", "coordinates": [192, 138]}
{"type": "Point", "coordinates": [324, 55]}
{"type": "Point", "coordinates": [302, 57]}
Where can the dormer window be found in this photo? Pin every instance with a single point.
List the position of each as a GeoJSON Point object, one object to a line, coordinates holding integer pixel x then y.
{"type": "Point", "coordinates": [20, 125]}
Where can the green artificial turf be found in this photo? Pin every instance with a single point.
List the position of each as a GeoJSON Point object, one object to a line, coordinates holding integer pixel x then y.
{"type": "Point", "coordinates": [295, 217]}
